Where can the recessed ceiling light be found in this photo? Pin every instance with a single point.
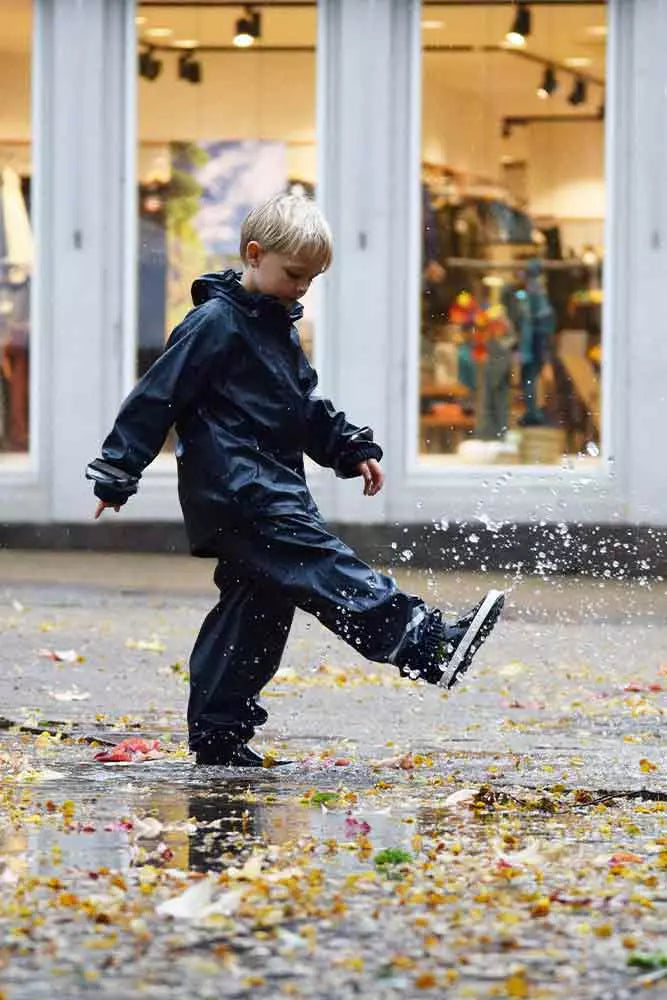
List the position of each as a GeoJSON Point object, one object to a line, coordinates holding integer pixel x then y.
{"type": "Point", "coordinates": [578, 61]}
{"type": "Point", "coordinates": [433, 24]}
{"type": "Point", "coordinates": [186, 43]}
{"type": "Point", "coordinates": [159, 32]}
{"type": "Point", "coordinates": [598, 30]}
{"type": "Point", "coordinates": [139, 21]}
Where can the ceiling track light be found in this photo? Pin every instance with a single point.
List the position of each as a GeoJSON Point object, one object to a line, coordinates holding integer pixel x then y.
{"type": "Point", "coordinates": [579, 92]}
{"type": "Point", "coordinates": [149, 67]}
{"type": "Point", "coordinates": [521, 25]}
{"type": "Point", "coordinates": [248, 28]}
{"type": "Point", "coordinates": [549, 83]}
{"type": "Point", "coordinates": [189, 68]}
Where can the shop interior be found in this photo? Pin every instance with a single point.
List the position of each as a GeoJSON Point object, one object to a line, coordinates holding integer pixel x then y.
{"type": "Point", "coordinates": [512, 195]}
{"type": "Point", "coordinates": [16, 241]}
{"type": "Point", "coordinates": [513, 204]}
{"type": "Point", "coordinates": [226, 118]}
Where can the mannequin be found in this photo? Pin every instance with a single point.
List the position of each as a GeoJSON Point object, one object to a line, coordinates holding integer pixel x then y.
{"type": "Point", "coordinates": [533, 317]}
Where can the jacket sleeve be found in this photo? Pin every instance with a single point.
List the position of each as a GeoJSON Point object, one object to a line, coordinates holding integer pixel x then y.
{"type": "Point", "coordinates": [168, 388]}
{"type": "Point", "coordinates": [330, 439]}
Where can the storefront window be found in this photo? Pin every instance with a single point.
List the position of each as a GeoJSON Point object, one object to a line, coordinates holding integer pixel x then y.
{"type": "Point", "coordinates": [16, 242]}
{"type": "Point", "coordinates": [513, 196]}
{"type": "Point", "coordinates": [226, 119]}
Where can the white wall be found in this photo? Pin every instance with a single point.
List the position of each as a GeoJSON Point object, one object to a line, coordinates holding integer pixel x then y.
{"type": "Point", "coordinates": [14, 96]}
{"type": "Point", "coordinates": [566, 170]}
{"type": "Point", "coordinates": [15, 127]}
{"type": "Point", "coordinates": [459, 128]}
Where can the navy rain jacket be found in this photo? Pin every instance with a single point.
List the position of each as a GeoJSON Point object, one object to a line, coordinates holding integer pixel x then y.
{"type": "Point", "coordinates": [236, 383]}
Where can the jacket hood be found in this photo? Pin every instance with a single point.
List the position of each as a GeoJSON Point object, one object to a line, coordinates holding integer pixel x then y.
{"type": "Point", "coordinates": [227, 285]}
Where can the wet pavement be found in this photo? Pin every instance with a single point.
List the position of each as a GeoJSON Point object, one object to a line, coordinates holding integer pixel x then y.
{"type": "Point", "coordinates": [507, 840]}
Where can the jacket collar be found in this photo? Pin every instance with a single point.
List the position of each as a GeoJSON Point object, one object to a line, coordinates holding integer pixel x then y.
{"type": "Point", "coordinates": [227, 284]}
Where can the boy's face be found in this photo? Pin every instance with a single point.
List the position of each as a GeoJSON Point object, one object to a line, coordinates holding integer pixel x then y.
{"type": "Point", "coordinates": [283, 276]}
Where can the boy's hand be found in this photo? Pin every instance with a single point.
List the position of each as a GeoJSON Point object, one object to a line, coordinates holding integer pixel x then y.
{"type": "Point", "coordinates": [373, 476]}
{"type": "Point", "coordinates": [102, 505]}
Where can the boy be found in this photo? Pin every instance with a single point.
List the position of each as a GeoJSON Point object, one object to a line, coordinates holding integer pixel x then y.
{"type": "Point", "coordinates": [239, 389]}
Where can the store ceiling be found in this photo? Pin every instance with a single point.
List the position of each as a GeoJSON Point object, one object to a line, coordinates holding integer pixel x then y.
{"type": "Point", "coordinates": [560, 31]}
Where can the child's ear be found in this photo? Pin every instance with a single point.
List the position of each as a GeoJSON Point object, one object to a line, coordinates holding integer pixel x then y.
{"type": "Point", "coordinates": [253, 253]}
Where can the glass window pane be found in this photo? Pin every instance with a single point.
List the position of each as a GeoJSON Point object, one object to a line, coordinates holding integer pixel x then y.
{"type": "Point", "coordinates": [513, 196]}
{"type": "Point", "coordinates": [221, 127]}
{"type": "Point", "coordinates": [16, 240]}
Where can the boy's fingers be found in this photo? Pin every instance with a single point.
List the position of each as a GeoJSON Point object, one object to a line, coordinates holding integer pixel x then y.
{"type": "Point", "coordinates": [103, 506]}
{"type": "Point", "coordinates": [373, 477]}
{"type": "Point", "coordinates": [366, 473]}
{"type": "Point", "coordinates": [377, 476]}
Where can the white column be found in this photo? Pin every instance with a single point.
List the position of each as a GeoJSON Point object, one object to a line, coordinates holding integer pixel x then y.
{"type": "Point", "coordinates": [364, 50]}
{"type": "Point", "coordinates": [636, 387]}
{"type": "Point", "coordinates": [84, 233]}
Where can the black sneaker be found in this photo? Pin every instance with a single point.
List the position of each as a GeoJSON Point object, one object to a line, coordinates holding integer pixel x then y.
{"type": "Point", "coordinates": [475, 626]}
{"type": "Point", "coordinates": [467, 617]}
{"type": "Point", "coordinates": [234, 755]}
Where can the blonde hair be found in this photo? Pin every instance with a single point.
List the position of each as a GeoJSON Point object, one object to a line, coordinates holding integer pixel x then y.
{"type": "Point", "coordinates": [290, 224]}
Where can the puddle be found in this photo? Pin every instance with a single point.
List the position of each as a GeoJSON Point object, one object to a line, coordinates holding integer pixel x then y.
{"type": "Point", "coordinates": [316, 880]}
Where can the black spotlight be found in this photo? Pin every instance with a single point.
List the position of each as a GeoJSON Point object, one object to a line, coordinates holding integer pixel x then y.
{"type": "Point", "coordinates": [189, 68]}
{"type": "Point", "coordinates": [579, 92]}
{"type": "Point", "coordinates": [521, 25]}
{"type": "Point", "coordinates": [149, 67]}
{"type": "Point", "coordinates": [549, 83]}
{"type": "Point", "coordinates": [248, 28]}
{"type": "Point", "coordinates": [506, 130]}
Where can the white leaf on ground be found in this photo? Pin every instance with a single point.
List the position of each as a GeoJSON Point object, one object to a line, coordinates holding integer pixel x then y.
{"type": "Point", "coordinates": [45, 775]}
{"type": "Point", "coordinates": [225, 904]}
{"type": "Point", "coordinates": [73, 694]}
{"type": "Point", "coordinates": [147, 828]}
{"type": "Point", "coordinates": [191, 904]}
{"type": "Point", "coordinates": [60, 655]}
{"type": "Point", "coordinates": [252, 868]}
{"type": "Point", "coordinates": [460, 798]}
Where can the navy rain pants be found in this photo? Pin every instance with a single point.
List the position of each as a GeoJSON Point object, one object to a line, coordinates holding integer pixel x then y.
{"type": "Point", "coordinates": [265, 570]}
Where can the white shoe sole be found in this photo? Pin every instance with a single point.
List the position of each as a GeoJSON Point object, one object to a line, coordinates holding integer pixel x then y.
{"type": "Point", "coordinates": [487, 615]}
